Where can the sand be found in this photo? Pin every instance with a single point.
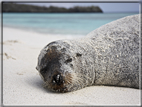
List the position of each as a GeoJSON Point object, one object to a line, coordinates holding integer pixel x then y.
{"type": "Point", "coordinates": [22, 84]}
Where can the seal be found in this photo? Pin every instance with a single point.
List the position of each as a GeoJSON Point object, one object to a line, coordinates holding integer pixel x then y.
{"type": "Point", "coordinates": [108, 56]}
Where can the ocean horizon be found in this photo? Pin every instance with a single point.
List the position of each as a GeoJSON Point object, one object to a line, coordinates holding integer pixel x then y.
{"type": "Point", "coordinates": [74, 24]}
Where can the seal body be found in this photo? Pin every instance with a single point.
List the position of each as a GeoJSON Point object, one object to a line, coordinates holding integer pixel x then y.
{"type": "Point", "coordinates": [109, 55]}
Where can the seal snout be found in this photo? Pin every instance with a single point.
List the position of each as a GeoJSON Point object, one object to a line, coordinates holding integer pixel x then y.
{"type": "Point", "coordinates": [58, 79]}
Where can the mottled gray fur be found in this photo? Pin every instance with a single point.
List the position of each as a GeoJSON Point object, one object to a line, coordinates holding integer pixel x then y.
{"type": "Point", "coordinates": [109, 55]}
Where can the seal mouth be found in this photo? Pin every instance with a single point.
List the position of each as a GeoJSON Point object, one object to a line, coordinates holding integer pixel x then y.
{"type": "Point", "coordinates": [61, 90]}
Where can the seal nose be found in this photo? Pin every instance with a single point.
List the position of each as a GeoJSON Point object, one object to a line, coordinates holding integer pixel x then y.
{"type": "Point", "coordinates": [57, 79]}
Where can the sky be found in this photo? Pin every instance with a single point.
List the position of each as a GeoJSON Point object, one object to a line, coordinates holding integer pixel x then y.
{"type": "Point", "coordinates": [106, 7]}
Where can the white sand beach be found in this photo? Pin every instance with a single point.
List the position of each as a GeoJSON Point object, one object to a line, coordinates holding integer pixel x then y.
{"type": "Point", "coordinates": [22, 84]}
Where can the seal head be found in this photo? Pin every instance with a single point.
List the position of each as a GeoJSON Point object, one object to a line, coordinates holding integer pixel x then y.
{"type": "Point", "coordinates": [56, 65]}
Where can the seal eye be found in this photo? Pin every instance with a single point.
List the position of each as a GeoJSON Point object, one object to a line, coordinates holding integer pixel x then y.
{"type": "Point", "coordinates": [68, 60]}
{"type": "Point", "coordinates": [43, 72]}
{"type": "Point", "coordinates": [78, 54]}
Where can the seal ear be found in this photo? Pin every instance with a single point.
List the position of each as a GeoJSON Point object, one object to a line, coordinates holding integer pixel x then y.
{"type": "Point", "coordinates": [78, 55]}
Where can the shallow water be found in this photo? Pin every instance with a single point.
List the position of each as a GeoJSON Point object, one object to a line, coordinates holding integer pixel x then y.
{"type": "Point", "coordinates": [60, 23]}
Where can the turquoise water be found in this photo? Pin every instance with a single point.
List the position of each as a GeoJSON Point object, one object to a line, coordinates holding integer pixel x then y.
{"type": "Point", "coordinates": [60, 23]}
